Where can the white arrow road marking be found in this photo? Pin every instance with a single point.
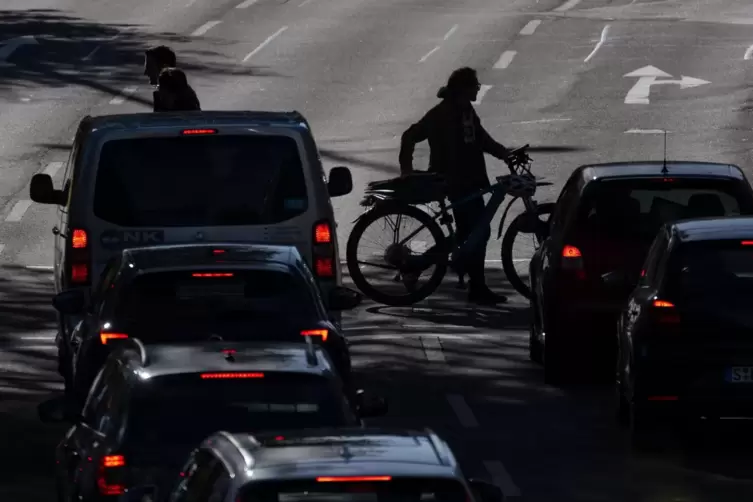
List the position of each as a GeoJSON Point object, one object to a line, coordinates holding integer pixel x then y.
{"type": "Point", "coordinates": [648, 76]}
{"type": "Point", "coordinates": [10, 46]}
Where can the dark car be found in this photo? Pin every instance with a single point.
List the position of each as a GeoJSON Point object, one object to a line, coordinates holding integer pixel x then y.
{"type": "Point", "coordinates": [685, 338]}
{"type": "Point", "coordinates": [181, 293]}
{"type": "Point", "coordinates": [340, 464]}
{"type": "Point", "coordinates": [151, 405]}
{"type": "Point", "coordinates": [604, 221]}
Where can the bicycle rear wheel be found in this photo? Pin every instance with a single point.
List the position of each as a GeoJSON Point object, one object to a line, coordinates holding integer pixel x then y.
{"type": "Point", "coordinates": [439, 258]}
{"type": "Point", "coordinates": [521, 225]}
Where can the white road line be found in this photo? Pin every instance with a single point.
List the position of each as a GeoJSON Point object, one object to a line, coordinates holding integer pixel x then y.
{"type": "Point", "coordinates": [529, 28]}
{"type": "Point", "coordinates": [644, 131]}
{"type": "Point", "coordinates": [432, 348]}
{"type": "Point", "coordinates": [542, 121]}
{"type": "Point", "coordinates": [304, 3]}
{"type": "Point", "coordinates": [265, 43]}
{"type": "Point", "coordinates": [52, 168]}
{"type": "Point", "coordinates": [481, 93]}
{"type": "Point", "coordinates": [246, 4]}
{"type": "Point", "coordinates": [205, 28]}
{"type": "Point", "coordinates": [18, 210]}
{"type": "Point", "coordinates": [567, 5]}
{"type": "Point", "coordinates": [125, 93]}
{"type": "Point", "coordinates": [748, 53]}
{"type": "Point", "coordinates": [39, 267]}
{"type": "Point", "coordinates": [38, 338]}
{"type": "Point", "coordinates": [426, 56]}
{"type": "Point", "coordinates": [38, 348]}
{"type": "Point", "coordinates": [450, 32]}
{"type": "Point", "coordinates": [2, 246]}
{"type": "Point", "coordinates": [602, 39]}
{"type": "Point", "coordinates": [502, 478]}
{"type": "Point", "coordinates": [504, 60]}
{"type": "Point", "coordinates": [462, 411]}
{"type": "Point", "coordinates": [89, 56]}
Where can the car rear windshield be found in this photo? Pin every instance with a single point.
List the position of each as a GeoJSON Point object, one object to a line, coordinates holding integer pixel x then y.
{"type": "Point", "coordinates": [188, 408]}
{"type": "Point", "coordinates": [190, 299]}
{"type": "Point", "coordinates": [199, 181]}
{"type": "Point", "coordinates": [712, 270]}
{"type": "Point", "coordinates": [630, 209]}
{"type": "Point", "coordinates": [362, 488]}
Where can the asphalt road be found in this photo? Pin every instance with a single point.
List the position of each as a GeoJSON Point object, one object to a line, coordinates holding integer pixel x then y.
{"type": "Point", "coordinates": [361, 71]}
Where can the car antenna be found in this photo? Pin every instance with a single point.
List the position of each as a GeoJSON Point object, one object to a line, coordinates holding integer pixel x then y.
{"type": "Point", "coordinates": [664, 169]}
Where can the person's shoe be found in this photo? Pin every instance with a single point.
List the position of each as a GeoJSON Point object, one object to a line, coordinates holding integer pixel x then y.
{"type": "Point", "coordinates": [485, 296]}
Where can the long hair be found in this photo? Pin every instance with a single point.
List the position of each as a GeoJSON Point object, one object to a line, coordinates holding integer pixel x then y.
{"type": "Point", "coordinates": [460, 79]}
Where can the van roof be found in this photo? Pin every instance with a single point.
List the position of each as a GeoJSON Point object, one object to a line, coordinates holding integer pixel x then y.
{"type": "Point", "coordinates": [290, 119]}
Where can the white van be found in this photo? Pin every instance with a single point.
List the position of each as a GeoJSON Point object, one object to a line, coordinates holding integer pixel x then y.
{"type": "Point", "coordinates": [145, 179]}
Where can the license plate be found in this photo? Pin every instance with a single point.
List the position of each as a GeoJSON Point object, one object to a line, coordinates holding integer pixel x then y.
{"type": "Point", "coordinates": [740, 374]}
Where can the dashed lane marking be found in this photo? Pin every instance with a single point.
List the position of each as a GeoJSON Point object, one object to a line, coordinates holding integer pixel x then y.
{"type": "Point", "coordinates": [529, 28]}
{"type": "Point", "coordinates": [52, 168]}
{"type": "Point", "coordinates": [246, 4]}
{"type": "Point", "coordinates": [201, 30]}
{"type": "Point", "coordinates": [504, 60]}
{"type": "Point", "coordinates": [502, 478]}
{"type": "Point", "coordinates": [265, 43]}
{"type": "Point", "coordinates": [481, 93]}
{"type": "Point", "coordinates": [567, 5]}
{"type": "Point", "coordinates": [428, 54]}
{"type": "Point", "coordinates": [462, 411]}
{"type": "Point", "coordinates": [433, 348]}
{"type": "Point", "coordinates": [125, 93]}
{"type": "Point", "coordinates": [18, 210]}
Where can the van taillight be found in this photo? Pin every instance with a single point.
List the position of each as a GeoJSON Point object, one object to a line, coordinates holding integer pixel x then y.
{"type": "Point", "coordinates": [105, 337]}
{"type": "Point", "coordinates": [321, 333]}
{"type": "Point", "coordinates": [111, 475]}
{"type": "Point", "coordinates": [80, 257]}
{"type": "Point", "coordinates": [572, 260]}
{"type": "Point", "coordinates": [324, 251]}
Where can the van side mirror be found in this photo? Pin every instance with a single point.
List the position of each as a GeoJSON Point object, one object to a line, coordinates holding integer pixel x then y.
{"type": "Point", "coordinates": [70, 302]}
{"type": "Point", "coordinates": [342, 298]}
{"type": "Point", "coordinates": [42, 191]}
{"type": "Point", "coordinates": [340, 181]}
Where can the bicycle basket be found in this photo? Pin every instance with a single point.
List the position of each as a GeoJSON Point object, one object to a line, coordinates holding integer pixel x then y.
{"type": "Point", "coordinates": [420, 188]}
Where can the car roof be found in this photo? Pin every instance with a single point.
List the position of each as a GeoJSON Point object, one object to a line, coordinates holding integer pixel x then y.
{"type": "Point", "coordinates": [675, 168]}
{"type": "Point", "coordinates": [288, 119]}
{"type": "Point", "coordinates": [340, 452]}
{"type": "Point", "coordinates": [187, 255]}
{"type": "Point", "coordinates": [188, 358]}
{"type": "Point", "coordinates": [711, 229]}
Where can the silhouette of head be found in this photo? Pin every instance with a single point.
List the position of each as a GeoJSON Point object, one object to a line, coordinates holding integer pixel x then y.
{"type": "Point", "coordinates": [462, 86]}
{"type": "Point", "coordinates": [156, 59]}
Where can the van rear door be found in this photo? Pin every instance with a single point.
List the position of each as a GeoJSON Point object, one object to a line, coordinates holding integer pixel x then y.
{"type": "Point", "coordinates": [202, 185]}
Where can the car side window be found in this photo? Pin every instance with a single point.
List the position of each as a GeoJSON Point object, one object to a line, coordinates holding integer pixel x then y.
{"type": "Point", "coordinates": [197, 482]}
{"type": "Point", "coordinates": [106, 280]}
{"type": "Point", "coordinates": [563, 205]}
{"type": "Point", "coordinates": [98, 392]}
{"type": "Point", "coordinates": [654, 259]}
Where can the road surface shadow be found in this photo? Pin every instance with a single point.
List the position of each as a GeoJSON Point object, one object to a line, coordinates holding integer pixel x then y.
{"type": "Point", "coordinates": [56, 49]}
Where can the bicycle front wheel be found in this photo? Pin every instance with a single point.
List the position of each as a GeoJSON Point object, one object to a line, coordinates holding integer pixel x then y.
{"type": "Point", "coordinates": [410, 291]}
{"type": "Point", "coordinates": [522, 225]}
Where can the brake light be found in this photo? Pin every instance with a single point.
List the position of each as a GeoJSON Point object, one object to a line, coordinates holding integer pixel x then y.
{"type": "Point", "coordinates": [218, 251]}
{"type": "Point", "coordinates": [227, 376]}
{"type": "Point", "coordinates": [213, 274]}
{"type": "Point", "coordinates": [79, 239]}
{"type": "Point", "coordinates": [350, 479]}
{"type": "Point", "coordinates": [663, 398]}
{"type": "Point", "coordinates": [666, 312]}
{"type": "Point", "coordinates": [106, 337]}
{"type": "Point", "coordinates": [79, 257]}
{"type": "Point", "coordinates": [324, 250]}
{"type": "Point", "coordinates": [747, 243]}
{"type": "Point", "coordinates": [110, 476]}
{"type": "Point", "coordinates": [197, 132]}
{"type": "Point", "coordinates": [323, 333]}
{"type": "Point", "coordinates": [572, 260]}
{"type": "Point", "coordinates": [663, 304]}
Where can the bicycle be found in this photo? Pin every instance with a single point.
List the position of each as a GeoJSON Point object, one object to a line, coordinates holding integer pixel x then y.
{"type": "Point", "coordinates": [400, 197]}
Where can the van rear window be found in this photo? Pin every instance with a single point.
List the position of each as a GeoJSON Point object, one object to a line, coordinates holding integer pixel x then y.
{"type": "Point", "coordinates": [200, 181]}
{"type": "Point", "coordinates": [637, 208]}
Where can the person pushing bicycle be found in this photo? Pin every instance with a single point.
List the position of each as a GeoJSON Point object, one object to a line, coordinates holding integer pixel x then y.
{"type": "Point", "coordinates": [457, 143]}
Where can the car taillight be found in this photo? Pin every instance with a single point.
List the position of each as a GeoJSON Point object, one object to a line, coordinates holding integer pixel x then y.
{"type": "Point", "coordinates": [197, 132]}
{"type": "Point", "coordinates": [665, 312]}
{"type": "Point", "coordinates": [230, 375]}
{"type": "Point", "coordinates": [350, 479]}
{"type": "Point", "coordinates": [213, 274]}
{"type": "Point", "coordinates": [324, 251]}
{"type": "Point", "coordinates": [321, 333]}
{"type": "Point", "coordinates": [80, 257]}
{"type": "Point", "coordinates": [572, 260]}
{"type": "Point", "coordinates": [111, 475]}
{"type": "Point", "coordinates": [105, 337]}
